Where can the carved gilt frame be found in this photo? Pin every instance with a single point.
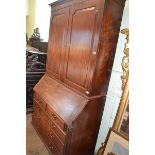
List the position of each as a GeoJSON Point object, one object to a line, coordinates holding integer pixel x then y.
{"type": "Point", "coordinates": [125, 84]}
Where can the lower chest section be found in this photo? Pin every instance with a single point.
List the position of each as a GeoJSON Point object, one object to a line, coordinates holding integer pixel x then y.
{"type": "Point", "coordinates": [49, 129]}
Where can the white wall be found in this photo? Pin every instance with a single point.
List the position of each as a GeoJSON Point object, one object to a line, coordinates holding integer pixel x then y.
{"type": "Point", "coordinates": [42, 17]}
{"type": "Point", "coordinates": [27, 7]}
{"type": "Point", "coordinates": [114, 90]}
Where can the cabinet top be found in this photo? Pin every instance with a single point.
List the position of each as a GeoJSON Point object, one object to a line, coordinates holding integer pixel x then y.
{"type": "Point", "coordinates": [58, 2]}
{"type": "Point", "coordinates": [69, 2]}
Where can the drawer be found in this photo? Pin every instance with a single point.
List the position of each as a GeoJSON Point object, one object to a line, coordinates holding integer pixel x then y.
{"type": "Point", "coordinates": [36, 108]}
{"type": "Point", "coordinates": [61, 134]}
{"type": "Point", "coordinates": [40, 101]}
{"type": "Point", "coordinates": [36, 111]}
{"type": "Point", "coordinates": [56, 141]}
{"type": "Point", "coordinates": [53, 148]}
{"type": "Point", "coordinates": [55, 118]}
{"type": "Point", "coordinates": [45, 124]}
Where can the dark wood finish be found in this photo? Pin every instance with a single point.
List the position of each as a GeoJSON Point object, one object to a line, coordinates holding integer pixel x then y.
{"type": "Point", "coordinates": [61, 100]}
{"type": "Point", "coordinates": [55, 139]}
{"type": "Point", "coordinates": [56, 44]}
{"type": "Point", "coordinates": [55, 118]}
{"type": "Point", "coordinates": [69, 99]}
{"type": "Point", "coordinates": [72, 113]}
{"type": "Point", "coordinates": [76, 73]}
{"type": "Point", "coordinates": [58, 131]}
{"type": "Point", "coordinates": [111, 22]}
{"type": "Point", "coordinates": [85, 62]}
{"type": "Point", "coordinates": [85, 130]}
{"type": "Point", "coordinates": [39, 101]}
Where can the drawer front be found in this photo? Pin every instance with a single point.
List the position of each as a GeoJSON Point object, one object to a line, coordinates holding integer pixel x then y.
{"type": "Point", "coordinates": [55, 118]}
{"type": "Point", "coordinates": [37, 110]}
{"type": "Point", "coordinates": [57, 142]}
{"type": "Point", "coordinates": [41, 103]}
{"type": "Point", "coordinates": [61, 134]}
{"type": "Point", "coordinates": [53, 148]}
{"type": "Point", "coordinates": [44, 123]}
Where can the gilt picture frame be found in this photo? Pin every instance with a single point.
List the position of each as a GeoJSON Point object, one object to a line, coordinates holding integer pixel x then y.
{"type": "Point", "coordinates": [121, 122]}
{"type": "Point", "coordinates": [116, 144]}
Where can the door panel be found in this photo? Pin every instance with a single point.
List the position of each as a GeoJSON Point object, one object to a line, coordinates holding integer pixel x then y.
{"type": "Point", "coordinates": [80, 46]}
{"type": "Point", "coordinates": [82, 24]}
{"type": "Point", "coordinates": [56, 44]}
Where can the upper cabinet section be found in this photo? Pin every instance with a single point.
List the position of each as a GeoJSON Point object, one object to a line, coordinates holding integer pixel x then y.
{"type": "Point", "coordinates": [56, 43]}
{"type": "Point", "coordinates": [82, 43]}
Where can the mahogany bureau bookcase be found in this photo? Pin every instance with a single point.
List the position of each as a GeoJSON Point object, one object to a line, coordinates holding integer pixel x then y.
{"type": "Point", "coordinates": [69, 99]}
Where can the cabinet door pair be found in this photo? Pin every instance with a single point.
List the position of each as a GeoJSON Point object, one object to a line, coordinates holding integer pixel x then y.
{"type": "Point", "coordinates": [73, 44]}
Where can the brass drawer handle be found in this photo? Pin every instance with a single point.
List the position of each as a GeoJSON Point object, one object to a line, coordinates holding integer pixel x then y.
{"type": "Point", "coordinates": [53, 117]}
{"type": "Point", "coordinates": [52, 148]}
{"type": "Point", "coordinates": [52, 125]}
{"type": "Point", "coordinates": [51, 135]}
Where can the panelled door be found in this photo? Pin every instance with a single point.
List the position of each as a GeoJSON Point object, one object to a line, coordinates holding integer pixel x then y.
{"type": "Point", "coordinates": [57, 41]}
{"type": "Point", "coordinates": [82, 45]}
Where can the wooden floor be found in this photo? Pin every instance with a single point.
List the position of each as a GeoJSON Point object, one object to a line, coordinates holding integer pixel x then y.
{"type": "Point", "coordinates": [34, 145]}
